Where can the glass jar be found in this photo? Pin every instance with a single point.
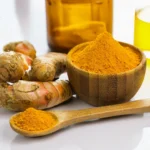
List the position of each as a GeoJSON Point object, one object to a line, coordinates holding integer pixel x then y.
{"type": "Point", "coordinates": [71, 22]}
{"type": "Point", "coordinates": [142, 28]}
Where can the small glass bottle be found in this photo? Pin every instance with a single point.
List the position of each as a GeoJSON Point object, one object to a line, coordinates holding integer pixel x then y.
{"type": "Point", "coordinates": [142, 27]}
{"type": "Point", "coordinates": [71, 22]}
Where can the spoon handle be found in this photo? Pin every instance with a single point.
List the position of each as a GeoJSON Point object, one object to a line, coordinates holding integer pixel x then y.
{"type": "Point", "coordinates": [134, 107]}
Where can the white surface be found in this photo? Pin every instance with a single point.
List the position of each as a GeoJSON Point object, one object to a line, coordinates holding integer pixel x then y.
{"type": "Point", "coordinates": [25, 19]}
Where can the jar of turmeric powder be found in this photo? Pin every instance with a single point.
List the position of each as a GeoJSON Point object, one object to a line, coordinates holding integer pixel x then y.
{"type": "Point", "coordinates": [71, 22]}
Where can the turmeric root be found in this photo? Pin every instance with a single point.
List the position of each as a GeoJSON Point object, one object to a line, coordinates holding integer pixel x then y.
{"type": "Point", "coordinates": [47, 67]}
{"type": "Point", "coordinates": [40, 95]}
{"type": "Point", "coordinates": [23, 47]}
{"type": "Point", "coordinates": [13, 66]}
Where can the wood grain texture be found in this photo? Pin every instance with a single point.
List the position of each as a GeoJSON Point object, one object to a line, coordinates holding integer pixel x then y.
{"type": "Point", "coordinates": [66, 118]}
{"type": "Point", "coordinates": [99, 90]}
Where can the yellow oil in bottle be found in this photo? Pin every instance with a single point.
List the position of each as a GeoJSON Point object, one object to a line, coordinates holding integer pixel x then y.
{"type": "Point", "coordinates": [142, 30]}
{"type": "Point", "coordinates": [71, 22]}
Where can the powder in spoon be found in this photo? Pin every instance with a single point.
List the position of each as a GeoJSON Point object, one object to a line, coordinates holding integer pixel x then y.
{"type": "Point", "coordinates": [34, 120]}
{"type": "Point", "coordinates": [106, 56]}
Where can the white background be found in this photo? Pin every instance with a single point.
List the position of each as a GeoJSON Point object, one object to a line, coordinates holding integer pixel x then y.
{"type": "Point", "coordinates": [25, 19]}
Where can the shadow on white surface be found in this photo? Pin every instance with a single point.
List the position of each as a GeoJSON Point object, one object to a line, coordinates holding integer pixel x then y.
{"type": "Point", "coordinates": [4, 113]}
{"type": "Point", "coordinates": [144, 143]}
{"type": "Point", "coordinates": [31, 17]}
{"type": "Point", "coordinates": [22, 9]}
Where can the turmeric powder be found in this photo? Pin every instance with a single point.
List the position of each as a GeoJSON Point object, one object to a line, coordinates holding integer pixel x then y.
{"type": "Point", "coordinates": [34, 120]}
{"type": "Point", "coordinates": [106, 56]}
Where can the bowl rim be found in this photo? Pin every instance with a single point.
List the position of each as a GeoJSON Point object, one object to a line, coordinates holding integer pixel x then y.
{"type": "Point", "coordinates": [74, 49]}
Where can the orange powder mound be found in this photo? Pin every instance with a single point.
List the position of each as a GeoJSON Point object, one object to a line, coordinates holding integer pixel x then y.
{"type": "Point", "coordinates": [34, 120]}
{"type": "Point", "coordinates": [106, 56]}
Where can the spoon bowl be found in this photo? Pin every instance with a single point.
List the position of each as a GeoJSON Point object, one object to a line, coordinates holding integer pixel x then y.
{"type": "Point", "coordinates": [66, 118]}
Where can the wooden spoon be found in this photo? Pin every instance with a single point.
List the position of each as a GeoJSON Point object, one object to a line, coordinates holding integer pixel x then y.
{"type": "Point", "coordinates": [66, 118]}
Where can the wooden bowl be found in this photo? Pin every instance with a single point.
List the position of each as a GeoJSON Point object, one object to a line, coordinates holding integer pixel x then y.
{"type": "Point", "coordinates": [99, 90]}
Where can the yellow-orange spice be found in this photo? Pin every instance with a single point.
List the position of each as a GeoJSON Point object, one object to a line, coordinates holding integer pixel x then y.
{"type": "Point", "coordinates": [34, 120]}
{"type": "Point", "coordinates": [106, 56]}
